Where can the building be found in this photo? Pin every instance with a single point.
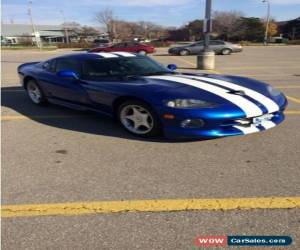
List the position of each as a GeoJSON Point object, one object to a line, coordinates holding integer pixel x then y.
{"type": "Point", "coordinates": [290, 29]}
{"type": "Point", "coordinates": [23, 33]}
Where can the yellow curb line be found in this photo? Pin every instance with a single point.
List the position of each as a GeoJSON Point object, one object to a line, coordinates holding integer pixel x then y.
{"type": "Point", "coordinates": [169, 205]}
{"type": "Point", "coordinates": [293, 99]}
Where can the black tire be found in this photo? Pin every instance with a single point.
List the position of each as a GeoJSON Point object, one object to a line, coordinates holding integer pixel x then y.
{"type": "Point", "coordinates": [156, 128]}
{"type": "Point", "coordinates": [38, 100]}
{"type": "Point", "coordinates": [184, 52]}
{"type": "Point", "coordinates": [226, 52]}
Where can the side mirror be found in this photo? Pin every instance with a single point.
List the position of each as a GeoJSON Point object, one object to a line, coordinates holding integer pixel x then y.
{"type": "Point", "coordinates": [68, 74]}
{"type": "Point", "coordinates": [172, 67]}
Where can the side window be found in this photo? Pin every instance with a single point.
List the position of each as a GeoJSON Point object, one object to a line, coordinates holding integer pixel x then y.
{"type": "Point", "coordinates": [118, 45]}
{"type": "Point", "coordinates": [68, 64]}
{"type": "Point", "coordinates": [49, 65]}
{"type": "Point", "coordinates": [199, 44]}
{"type": "Point", "coordinates": [131, 44]}
{"type": "Point", "coordinates": [216, 43]}
{"type": "Point", "coordinates": [97, 69]}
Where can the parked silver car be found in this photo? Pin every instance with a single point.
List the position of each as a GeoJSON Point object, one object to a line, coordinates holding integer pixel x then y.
{"type": "Point", "coordinates": [220, 47]}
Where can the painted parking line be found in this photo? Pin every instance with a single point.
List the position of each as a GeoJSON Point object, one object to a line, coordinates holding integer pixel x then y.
{"type": "Point", "coordinates": [287, 87]}
{"type": "Point", "coordinates": [103, 207]}
{"type": "Point", "coordinates": [292, 112]}
{"type": "Point", "coordinates": [184, 61]}
{"type": "Point", "coordinates": [261, 67]}
{"type": "Point", "coordinates": [194, 65]}
{"type": "Point", "coordinates": [293, 99]}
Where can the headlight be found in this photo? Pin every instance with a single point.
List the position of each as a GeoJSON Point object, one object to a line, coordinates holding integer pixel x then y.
{"type": "Point", "coordinates": [189, 103]}
{"type": "Point", "coordinates": [273, 91]}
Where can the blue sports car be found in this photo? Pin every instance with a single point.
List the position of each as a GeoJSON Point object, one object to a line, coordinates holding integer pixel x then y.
{"type": "Point", "coordinates": [148, 98]}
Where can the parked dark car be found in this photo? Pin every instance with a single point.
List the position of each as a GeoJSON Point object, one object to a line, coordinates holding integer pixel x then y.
{"type": "Point", "coordinates": [220, 47]}
{"type": "Point", "coordinates": [133, 47]}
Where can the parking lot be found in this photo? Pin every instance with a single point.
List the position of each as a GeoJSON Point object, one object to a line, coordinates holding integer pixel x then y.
{"type": "Point", "coordinates": [55, 155]}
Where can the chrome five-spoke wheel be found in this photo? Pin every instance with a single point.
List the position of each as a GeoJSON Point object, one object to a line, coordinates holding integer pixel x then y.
{"type": "Point", "coordinates": [34, 92]}
{"type": "Point", "coordinates": [138, 118]}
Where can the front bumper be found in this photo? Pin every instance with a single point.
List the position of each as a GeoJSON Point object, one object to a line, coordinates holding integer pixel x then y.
{"type": "Point", "coordinates": [173, 51]}
{"type": "Point", "coordinates": [235, 50]}
{"type": "Point", "coordinates": [227, 128]}
{"type": "Point", "coordinates": [218, 122]}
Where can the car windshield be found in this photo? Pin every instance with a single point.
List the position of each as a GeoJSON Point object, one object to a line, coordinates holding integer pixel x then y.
{"type": "Point", "coordinates": [130, 66]}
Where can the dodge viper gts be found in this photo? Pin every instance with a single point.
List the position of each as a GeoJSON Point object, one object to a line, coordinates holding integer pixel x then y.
{"type": "Point", "coordinates": [148, 98]}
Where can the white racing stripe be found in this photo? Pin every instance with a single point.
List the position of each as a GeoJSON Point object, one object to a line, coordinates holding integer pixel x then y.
{"type": "Point", "coordinates": [248, 107]}
{"type": "Point", "coordinates": [267, 102]}
{"type": "Point", "coordinates": [247, 130]}
{"type": "Point", "coordinates": [252, 128]}
{"type": "Point", "coordinates": [268, 124]}
{"type": "Point", "coordinates": [106, 55]}
{"type": "Point", "coordinates": [126, 54]}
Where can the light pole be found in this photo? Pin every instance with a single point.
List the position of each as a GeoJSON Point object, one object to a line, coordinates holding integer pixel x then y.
{"type": "Point", "coordinates": [206, 59]}
{"type": "Point", "coordinates": [38, 40]}
{"type": "Point", "coordinates": [207, 27]}
{"type": "Point", "coordinates": [268, 21]}
{"type": "Point", "coordinates": [65, 27]}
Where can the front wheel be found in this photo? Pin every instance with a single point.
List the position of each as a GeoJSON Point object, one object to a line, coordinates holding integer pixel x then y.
{"type": "Point", "coordinates": [139, 119]}
{"type": "Point", "coordinates": [184, 52]}
{"type": "Point", "coordinates": [35, 93]}
{"type": "Point", "coordinates": [226, 52]}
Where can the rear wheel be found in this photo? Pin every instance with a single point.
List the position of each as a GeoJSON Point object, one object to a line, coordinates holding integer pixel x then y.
{"type": "Point", "coordinates": [184, 52]}
{"type": "Point", "coordinates": [226, 52]}
{"type": "Point", "coordinates": [35, 93]}
{"type": "Point", "coordinates": [139, 118]}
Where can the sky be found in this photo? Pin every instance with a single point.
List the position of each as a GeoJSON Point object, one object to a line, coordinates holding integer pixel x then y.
{"type": "Point", "coordinates": [164, 12]}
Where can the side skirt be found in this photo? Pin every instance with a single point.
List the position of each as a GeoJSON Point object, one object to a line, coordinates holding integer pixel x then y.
{"type": "Point", "coordinates": [77, 106]}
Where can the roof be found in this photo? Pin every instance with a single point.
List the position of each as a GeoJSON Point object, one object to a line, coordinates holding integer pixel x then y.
{"type": "Point", "coordinates": [104, 55]}
{"type": "Point", "coordinates": [15, 30]}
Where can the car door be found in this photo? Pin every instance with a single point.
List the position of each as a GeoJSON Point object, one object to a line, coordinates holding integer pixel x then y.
{"type": "Point", "coordinates": [132, 47]}
{"type": "Point", "coordinates": [119, 47]}
{"type": "Point", "coordinates": [62, 88]}
{"type": "Point", "coordinates": [197, 47]}
{"type": "Point", "coordinates": [216, 46]}
{"type": "Point", "coordinates": [101, 82]}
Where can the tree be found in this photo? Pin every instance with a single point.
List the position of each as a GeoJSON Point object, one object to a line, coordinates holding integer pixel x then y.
{"type": "Point", "coordinates": [195, 30]}
{"type": "Point", "coordinates": [106, 18]}
{"type": "Point", "coordinates": [272, 29]}
{"type": "Point", "coordinates": [250, 29]}
{"type": "Point", "coordinates": [88, 31]}
{"type": "Point", "coordinates": [225, 24]}
{"type": "Point", "coordinates": [72, 27]}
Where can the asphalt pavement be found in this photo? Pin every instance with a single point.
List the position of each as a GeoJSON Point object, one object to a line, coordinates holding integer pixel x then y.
{"type": "Point", "coordinates": [55, 155]}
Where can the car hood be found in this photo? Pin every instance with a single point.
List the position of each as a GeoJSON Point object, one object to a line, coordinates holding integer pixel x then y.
{"type": "Point", "coordinates": [249, 95]}
{"type": "Point", "coordinates": [162, 84]}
